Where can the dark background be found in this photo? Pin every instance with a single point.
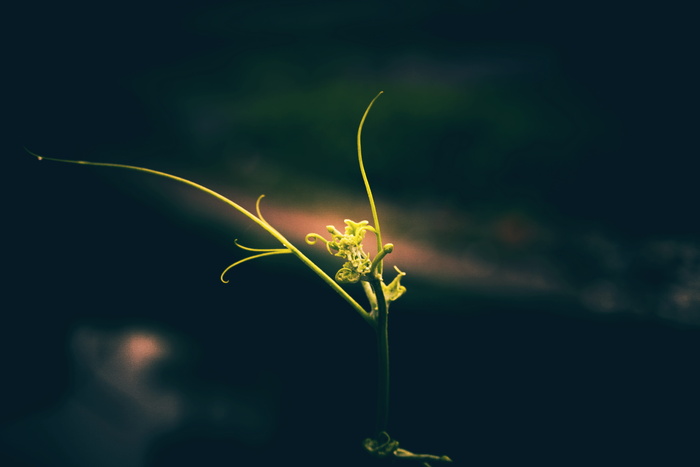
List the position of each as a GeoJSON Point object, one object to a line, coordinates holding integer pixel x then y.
{"type": "Point", "coordinates": [547, 145]}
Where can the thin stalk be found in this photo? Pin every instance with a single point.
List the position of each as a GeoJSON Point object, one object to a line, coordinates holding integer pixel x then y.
{"type": "Point", "coordinates": [373, 207]}
{"type": "Point", "coordinates": [382, 330]}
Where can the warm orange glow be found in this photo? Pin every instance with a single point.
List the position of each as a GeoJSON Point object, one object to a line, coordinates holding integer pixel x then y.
{"type": "Point", "coordinates": [140, 349]}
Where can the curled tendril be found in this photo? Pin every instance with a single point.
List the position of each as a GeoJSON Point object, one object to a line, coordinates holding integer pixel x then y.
{"type": "Point", "coordinates": [261, 251]}
{"type": "Point", "coordinates": [257, 209]}
{"type": "Point", "coordinates": [348, 274]}
{"type": "Point", "coordinates": [270, 252]}
{"type": "Point", "coordinates": [312, 238]}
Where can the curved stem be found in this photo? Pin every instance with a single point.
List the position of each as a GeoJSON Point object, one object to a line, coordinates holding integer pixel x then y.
{"type": "Point", "coordinates": [377, 261]}
{"type": "Point", "coordinates": [261, 222]}
{"type": "Point", "coordinates": [375, 217]}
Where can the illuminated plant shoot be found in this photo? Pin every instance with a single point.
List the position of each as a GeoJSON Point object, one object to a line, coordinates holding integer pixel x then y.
{"type": "Point", "coordinates": [358, 266]}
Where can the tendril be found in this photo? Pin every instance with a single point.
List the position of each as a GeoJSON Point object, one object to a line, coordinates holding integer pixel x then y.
{"type": "Point", "coordinates": [270, 252]}
{"type": "Point", "coordinates": [262, 251]}
{"type": "Point", "coordinates": [257, 209]}
{"type": "Point", "coordinates": [280, 250]}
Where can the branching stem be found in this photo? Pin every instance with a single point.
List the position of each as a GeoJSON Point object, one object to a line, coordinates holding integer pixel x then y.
{"type": "Point", "coordinates": [258, 220]}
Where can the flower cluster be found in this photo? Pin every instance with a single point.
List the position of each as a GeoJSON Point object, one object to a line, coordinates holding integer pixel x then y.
{"type": "Point", "coordinates": [358, 264]}
{"type": "Point", "coordinates": [349, 247]}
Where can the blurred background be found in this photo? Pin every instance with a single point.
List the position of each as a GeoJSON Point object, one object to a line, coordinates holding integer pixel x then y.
{"type": "Point", "coordinates": [533, 163]}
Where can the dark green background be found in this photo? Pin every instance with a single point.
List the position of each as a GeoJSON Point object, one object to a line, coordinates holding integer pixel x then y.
{"type": "Point", "coordinates": [572, 120]}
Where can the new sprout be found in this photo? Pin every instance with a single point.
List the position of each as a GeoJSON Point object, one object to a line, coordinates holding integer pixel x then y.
{"type": "Point", "coordinates": [358, 267]}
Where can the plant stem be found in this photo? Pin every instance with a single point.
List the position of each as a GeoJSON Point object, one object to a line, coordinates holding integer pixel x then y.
{"type": "Point", "coordinates": [258, 220]}
{"type": "Point", "coordinates": [382, 330]}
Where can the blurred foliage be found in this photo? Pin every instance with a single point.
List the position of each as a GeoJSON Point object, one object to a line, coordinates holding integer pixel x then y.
{"type": "Point", "coordinates": [464, 141]}
{"type": "Point", "coordinates": [557, 109]}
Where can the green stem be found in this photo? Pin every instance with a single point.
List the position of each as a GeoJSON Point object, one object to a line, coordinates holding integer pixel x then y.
{"type": "Point", "coordinates": [373, 207]}
{"type": "Point", "coordinates": [382, 330]}
{"type": "Point", "coordinates": [258, 220]}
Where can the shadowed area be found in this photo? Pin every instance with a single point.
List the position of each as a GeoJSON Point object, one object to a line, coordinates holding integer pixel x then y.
{"type": "Point", "coordinates": [533, 164]}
